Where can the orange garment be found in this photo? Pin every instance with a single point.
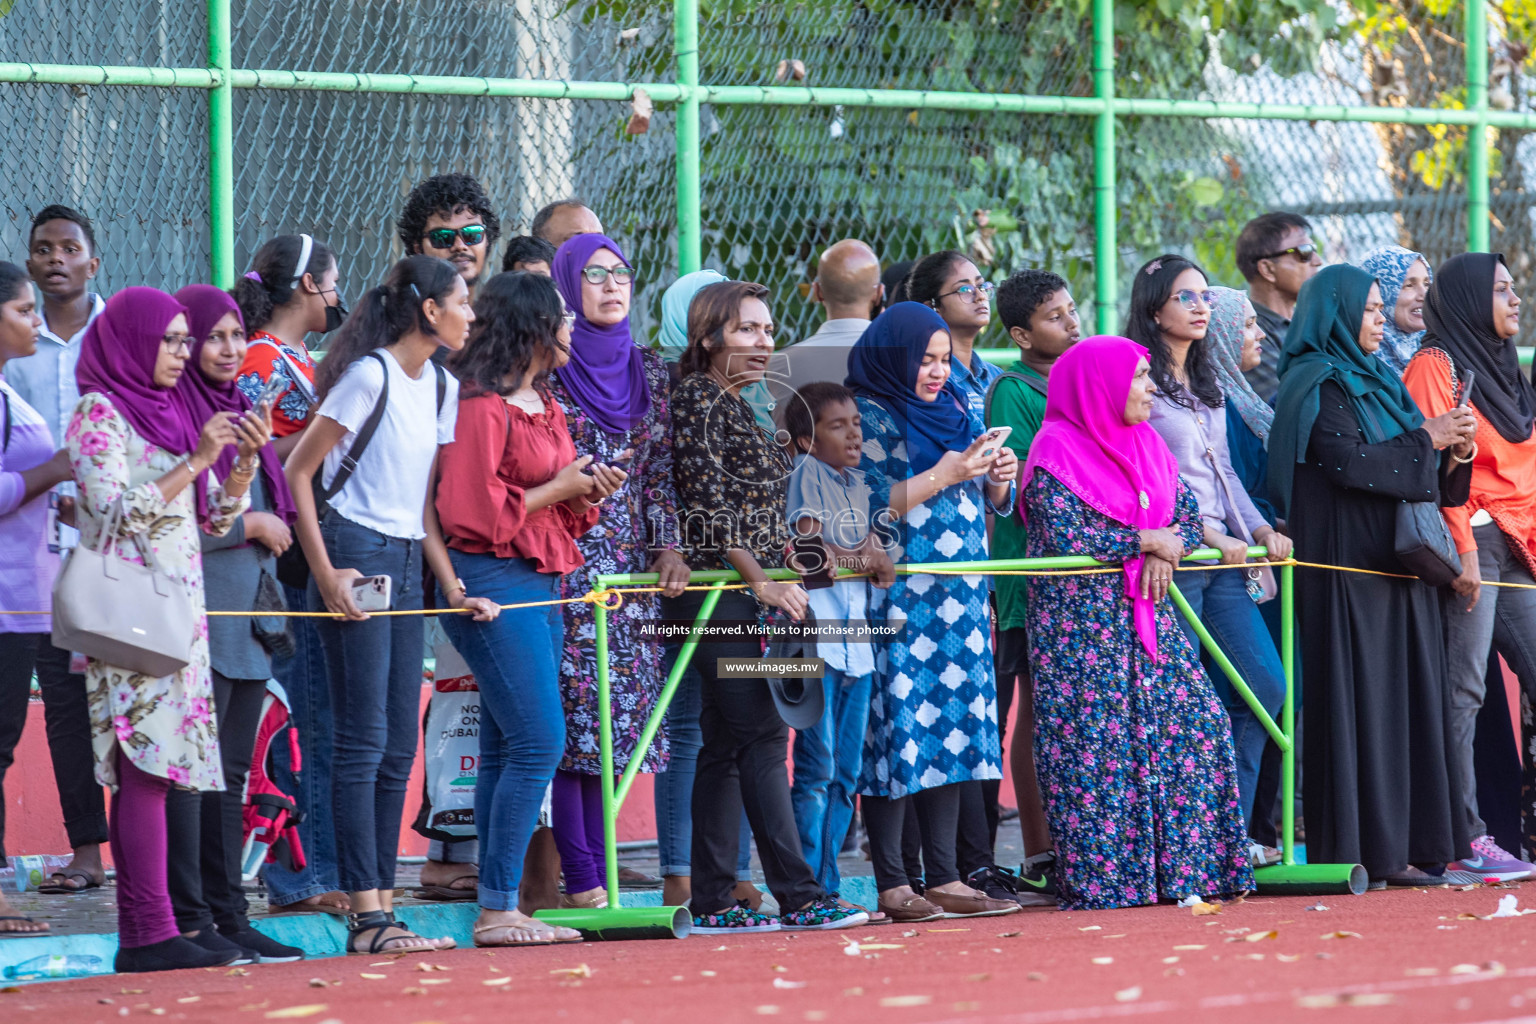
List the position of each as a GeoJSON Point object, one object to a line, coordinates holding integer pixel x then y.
{"type": "Point", "coordinates": [1503, 473]}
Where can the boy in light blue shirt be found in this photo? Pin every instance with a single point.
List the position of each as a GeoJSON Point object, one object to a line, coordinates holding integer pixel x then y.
{"type": "Point", "coordinates": [829, 499]}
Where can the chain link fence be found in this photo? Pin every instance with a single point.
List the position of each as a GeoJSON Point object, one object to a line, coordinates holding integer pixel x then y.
{"type": "Point", "coordinates": [780, 179]}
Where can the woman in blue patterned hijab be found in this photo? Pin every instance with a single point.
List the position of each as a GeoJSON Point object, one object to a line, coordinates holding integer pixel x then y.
{"type": "Point", "coordinates": [1404, 277]}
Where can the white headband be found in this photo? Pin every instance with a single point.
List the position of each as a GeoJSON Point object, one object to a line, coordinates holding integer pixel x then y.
{"type": "Point", "coordinates": [303, 265]}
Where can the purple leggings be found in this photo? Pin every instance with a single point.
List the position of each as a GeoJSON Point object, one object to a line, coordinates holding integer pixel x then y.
{"type": "Point", "coordinates": [577, 812]}
{"type": "Point", "coordinates": [137, 834]}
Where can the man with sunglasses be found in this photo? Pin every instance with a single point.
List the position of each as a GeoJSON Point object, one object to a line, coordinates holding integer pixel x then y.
{"type": "Point", "coordinates": [449, 216]}
{"type": "Point", "coordinates": [1276, 256]}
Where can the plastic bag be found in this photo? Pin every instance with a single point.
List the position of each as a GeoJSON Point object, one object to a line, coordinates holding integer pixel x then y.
{"type": "Point", "coordinates": [452, 747]}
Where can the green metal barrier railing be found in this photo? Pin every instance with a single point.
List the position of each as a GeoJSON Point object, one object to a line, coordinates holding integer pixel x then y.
{"type": "Point", "coordinates": [1287, 877]}
{"type": "Point", "coordinates": [687, 92]}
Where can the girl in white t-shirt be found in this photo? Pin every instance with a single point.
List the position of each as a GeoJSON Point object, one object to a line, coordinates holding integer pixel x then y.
{"type": "Point", "coordinates": [377, 520]}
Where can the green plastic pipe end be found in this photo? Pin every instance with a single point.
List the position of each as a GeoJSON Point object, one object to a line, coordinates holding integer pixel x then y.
{"type": "Point", "coordinates": [1312, 880]}
{"type": "Point", "coordinates": [610, 924]}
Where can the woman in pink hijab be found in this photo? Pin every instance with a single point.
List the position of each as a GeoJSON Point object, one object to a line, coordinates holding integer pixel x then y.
{"type": "Point", "coordinates": [1132, 747]}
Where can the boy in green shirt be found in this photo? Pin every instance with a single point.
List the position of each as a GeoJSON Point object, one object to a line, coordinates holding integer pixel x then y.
{"type": "Point", "coordinates": [1038, 312]}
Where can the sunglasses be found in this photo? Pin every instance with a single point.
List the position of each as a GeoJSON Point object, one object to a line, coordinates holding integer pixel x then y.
{"type": "Point", "coordinates": [597, 275]}
{"type": "Point", "coordinates": [1304, 252]}
{"type": "Point", "coordinates": [442, 238]}
{"type": "Point", "coordinates": [971, 292]}
{"type": "Point", "coordinates": [1189, 298]}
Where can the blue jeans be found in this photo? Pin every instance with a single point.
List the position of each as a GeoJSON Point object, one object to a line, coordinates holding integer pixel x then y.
{"type": "Point", "coordinates": [827, 762]}
{"type": "Point", "coordinates": [375, 677]}
{"type": "Point", "coordinates": [309, 696]}
{"type": "Point", "coordinates": [1221, 600]}
{"type": "Point", "coordinates": [516, 661]}
{"type": "Point", "coordinates": [674, 787]}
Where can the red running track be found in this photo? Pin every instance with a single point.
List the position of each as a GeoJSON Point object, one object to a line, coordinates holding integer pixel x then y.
{"type": "Point", "coordinates": [1412, 957]}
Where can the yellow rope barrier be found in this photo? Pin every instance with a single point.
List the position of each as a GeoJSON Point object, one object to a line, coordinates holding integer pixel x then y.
{"type": "Point", "coordinates": [612, 598]}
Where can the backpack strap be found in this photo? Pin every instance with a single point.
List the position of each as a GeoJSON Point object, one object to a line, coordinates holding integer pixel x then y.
{"type": "Point", "coordinates": [1037, 384]}
{"type": "Point", "coordinates": [442, 387]}
{"type": "Point", "coordinates": [370, 427]}
{"type": "Point", "coordinates": [5, 401]}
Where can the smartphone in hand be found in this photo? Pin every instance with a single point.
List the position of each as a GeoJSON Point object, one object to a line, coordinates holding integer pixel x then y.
{"type": "Point", "coordinates": [1466, 388]}
{"type": "Point", "coordinates": [991, 442]}
{"type": "Point", "coordinates": [371, 593]}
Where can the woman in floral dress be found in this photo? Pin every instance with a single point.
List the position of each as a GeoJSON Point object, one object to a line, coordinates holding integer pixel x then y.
{"type": "Point", "coordinates": [1132, 745]}
{"type": "Point", "coordinates": [141, 460]}
{"type": "Point", "coordinates": [614, 396]}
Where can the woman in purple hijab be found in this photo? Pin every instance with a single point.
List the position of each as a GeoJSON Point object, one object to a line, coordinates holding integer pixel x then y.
{"type": "Point", "coordinates": [239, 575]}
{"type": "Point", "coordinates": [614, 395]}
{"type": "Point", "coordinates": [142, 461]}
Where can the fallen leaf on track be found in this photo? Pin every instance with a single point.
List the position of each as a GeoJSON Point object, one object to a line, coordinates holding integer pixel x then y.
{"type": "Point", "coordinates": [782, 983]}
{"type": "Point", "coordinates": [1091, 928]}
{"type": "Point", "coordinates": [1170, 959]}
{"type": "Point", "coordinates": [1187, 948]}
{"type": "Point", "coordinates": [1261, 936]}
{"type": "Point", "coordinates": [1283, 958]}
{"type": "Point", "coordinates": [1205, 909]}
{"type": "Point", "coordinates": [884, 945]}
{"type": "Point", "coordinates": [1341, 935]}
{"type": "Point", "coordinates": [579, 971]}
{"type": "Point", "coordinates": [1034, 976]}
{"type": "Point", "coordinates": [906, 1000]}
{"type": "Point", "coordinates": [374, 977]}
{"type": "Point", "coordinates": [190, 999]}
{"type": "Point", "coordinates": [1103, 960]}
{"type": "Point", "coordinates": [290, 1012]}
{"type": "Point", "coordinates": [1128, 995]}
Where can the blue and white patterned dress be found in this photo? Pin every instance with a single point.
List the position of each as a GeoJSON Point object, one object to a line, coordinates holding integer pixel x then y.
{"type": "Point", "coordinates": [933, 711]}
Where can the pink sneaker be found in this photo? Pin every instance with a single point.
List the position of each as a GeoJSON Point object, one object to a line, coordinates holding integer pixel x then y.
{"type": "Point", "coordinates": [1490, 860]}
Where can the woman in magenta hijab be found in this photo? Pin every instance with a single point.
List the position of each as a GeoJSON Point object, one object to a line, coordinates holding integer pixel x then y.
{"type": "Point", "coordinates": [142, 461]}
{"type": "Point", "coordinates": [1132, 745]}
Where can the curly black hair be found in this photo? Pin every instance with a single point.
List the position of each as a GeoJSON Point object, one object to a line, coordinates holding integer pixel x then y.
{"type": "Point", "coordinates": [69, 213]}
{"type": "Point", "coordinates": [517, 320]}
{"type": "Point", "coordinates": [526, 249]}
{"type": "Point", "coordinates": [445, 194]}
{"type": "Point", "coordinates": [1024, 292]}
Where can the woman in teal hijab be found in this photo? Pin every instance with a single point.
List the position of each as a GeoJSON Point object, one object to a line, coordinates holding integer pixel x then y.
{"type": "Point", "coordinates": [1348, 448]}
{"type": "Point", "coordinates": [674, 338]}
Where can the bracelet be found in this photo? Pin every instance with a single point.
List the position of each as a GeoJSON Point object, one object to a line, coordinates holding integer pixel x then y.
{"type": "Point", "coordinates": [458, 584]}
{"type": "Point", "coordinates": [238, 470]}
{"type": "Point", "coordinates": [191, 468]}
{"type": "Point", "coordinates": [1463, 461]}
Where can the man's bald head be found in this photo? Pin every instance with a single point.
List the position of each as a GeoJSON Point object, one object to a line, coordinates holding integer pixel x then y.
{"type": "Point", "coordinates": [848, 280]}
{"type": "Point", "coordinates": [564, 219]}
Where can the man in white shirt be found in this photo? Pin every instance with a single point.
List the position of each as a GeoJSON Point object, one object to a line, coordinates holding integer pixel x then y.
{"type": "Point", "coordinates": [848, 285]}
{"type": "Point", "coordinates": [62, 260]}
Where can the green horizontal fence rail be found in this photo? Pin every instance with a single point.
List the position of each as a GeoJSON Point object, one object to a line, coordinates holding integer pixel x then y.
{"type": "Point", "coordinates": [687, 92]}
{"type": "Point", "coordinates": [617, 780]}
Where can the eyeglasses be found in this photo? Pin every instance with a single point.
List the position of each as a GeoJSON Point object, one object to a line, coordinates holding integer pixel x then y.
{"type": "Point", "coordinates": [597, 275]}
{"type": "Point", "coordinates": [177, 342]}
{"type": "Point", "coordinates": [1305, 252]}
{"type": "Point", "coordinates": [1189, 298]}
{"type": "Point", "coordinates": [568, 319]}
{"type": "Point", "coordinates": [442, 238]}
{"type": "Point", "coordinates": [971, 292]}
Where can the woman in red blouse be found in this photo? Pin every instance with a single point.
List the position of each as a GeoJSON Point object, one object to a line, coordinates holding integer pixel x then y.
{"type": "Point", "coordinates": [511, 498]}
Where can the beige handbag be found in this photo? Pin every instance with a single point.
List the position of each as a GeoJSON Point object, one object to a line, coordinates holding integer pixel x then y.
{"type": "Point", "coordinates": [122, 614]}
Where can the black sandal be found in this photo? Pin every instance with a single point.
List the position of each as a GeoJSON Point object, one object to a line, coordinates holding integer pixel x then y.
{"type": "Point", "coordinates": [12, 933]}
{"type": "Point", "coordinates": [377, 923]}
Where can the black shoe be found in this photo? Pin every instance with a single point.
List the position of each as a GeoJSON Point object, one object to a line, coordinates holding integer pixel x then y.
{"type": "Point", "coordinates": [174, 954]}
{"type": "Point", "coordinates": [1002, 884]}
{"type": "Point", "coordinates": [211, 940]}
{"type": "Point", "coordinates": [267, 949]}
{"type": "Point", "coordinates": [1039, 881]}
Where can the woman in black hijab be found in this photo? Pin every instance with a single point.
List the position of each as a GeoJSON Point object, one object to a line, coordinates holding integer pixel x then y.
{"type": "Point", "coordinates": [1473, 314]}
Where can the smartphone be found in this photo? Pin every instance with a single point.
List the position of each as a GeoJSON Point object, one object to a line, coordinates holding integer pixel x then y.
{"type": "Point", "coordinates": [993, 440]}
{"type": "Point", "coordinates": [371, 593]}
{"type": "Point", "coordinates": [272, 390]}
{"type": "Point", "coordinates": [1466, 388]}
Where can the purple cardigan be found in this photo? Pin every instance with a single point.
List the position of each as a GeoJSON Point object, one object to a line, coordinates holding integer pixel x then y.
{"type": "Point", "coordinates": [27, 567]}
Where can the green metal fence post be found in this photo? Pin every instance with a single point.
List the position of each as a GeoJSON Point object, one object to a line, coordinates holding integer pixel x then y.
{"type": "Point", "coordinates": [221, 146]}
{"type": "Point", "coordinates": [685, 30]}
{"type": "Point", "coordinates": [1288, 713]}
{"type": "Point", "coordinates": [1477, 133]}
{"type": "Point", "coordinates": [1106, 258]}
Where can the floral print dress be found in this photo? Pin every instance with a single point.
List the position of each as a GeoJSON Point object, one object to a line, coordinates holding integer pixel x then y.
{"type": "Point", "coordinates": [642, 514]}
{"type": "Point", "coordinates": [1134, 756]}
{"type": "Point", "coordinates": [933, 708]}
{"type": "Point", "coordinates": [164, 726]}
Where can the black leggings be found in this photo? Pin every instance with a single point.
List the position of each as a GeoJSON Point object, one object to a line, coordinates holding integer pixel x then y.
{"type": "Point", "coordinates": [938, 812]}
{"type": "Point", "coordinates": [204, 830]}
